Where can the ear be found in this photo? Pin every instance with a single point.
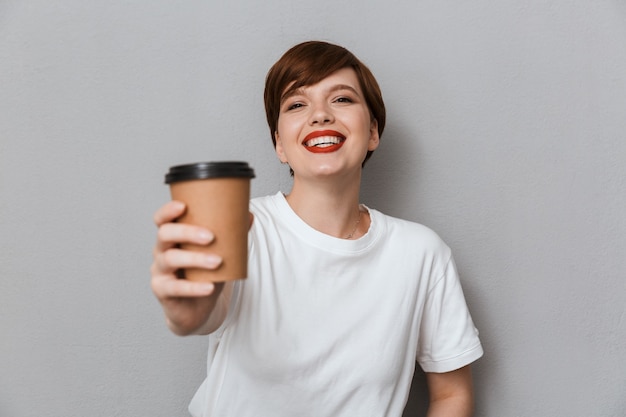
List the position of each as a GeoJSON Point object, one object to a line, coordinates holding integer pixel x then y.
{"type": "Point", "coordinates": [279, 149]}
{"type": "Point", "coordinates": [374, 137]}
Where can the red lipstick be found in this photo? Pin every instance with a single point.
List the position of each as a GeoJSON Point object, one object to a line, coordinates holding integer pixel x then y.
{"type": "Point", "coordinates": [319, 133]}
{"type": "Point", "coordinates": [335, 141]}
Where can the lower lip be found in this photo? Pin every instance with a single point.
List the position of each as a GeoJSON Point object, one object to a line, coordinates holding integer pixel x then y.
{"type": "Point", "coordinates": [324, 149]}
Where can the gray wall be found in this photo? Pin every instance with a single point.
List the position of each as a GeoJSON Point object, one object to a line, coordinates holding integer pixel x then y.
{"type": "Point", "coordinates": [506, 134]}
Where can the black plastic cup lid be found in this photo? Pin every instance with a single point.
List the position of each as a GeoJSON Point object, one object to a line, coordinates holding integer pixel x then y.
{"type": "Point", "coordinates": [204, 170]}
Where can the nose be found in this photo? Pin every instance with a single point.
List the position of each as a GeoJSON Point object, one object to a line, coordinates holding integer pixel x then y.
{"type": "Point", "coordinates": [321, 114]}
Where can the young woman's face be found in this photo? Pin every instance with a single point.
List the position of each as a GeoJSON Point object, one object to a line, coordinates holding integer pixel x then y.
{"type": "Point", "coordinates": [326, 128]}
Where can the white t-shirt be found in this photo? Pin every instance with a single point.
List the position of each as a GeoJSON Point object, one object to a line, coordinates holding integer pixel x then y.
{"type": "Point", "coordinates": [329, 327]}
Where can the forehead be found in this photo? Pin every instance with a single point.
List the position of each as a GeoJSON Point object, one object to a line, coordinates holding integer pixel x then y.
{"type": "Point", "coordinates": [345, 78]}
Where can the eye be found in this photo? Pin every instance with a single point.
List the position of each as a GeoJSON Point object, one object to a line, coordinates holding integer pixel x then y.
{"type": "Point", "coordinates": [344, 99]}
{"type": "Point", "coordinates": [290, 106]}
{"type": "Point", "coordinates": [294, 106]}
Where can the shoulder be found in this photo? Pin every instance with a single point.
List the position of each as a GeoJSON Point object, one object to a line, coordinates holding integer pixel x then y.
{"type": "Point", "coordinates": [263, 201]}
{"type": "Point", "coordinates": [265, 206]}
{"type": "Point", "coordinates": [268, 213]}
{"type": "Point", "coordinates": [410, 234]}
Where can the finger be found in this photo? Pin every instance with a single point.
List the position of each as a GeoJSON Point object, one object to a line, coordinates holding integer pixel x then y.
{"type": "Point", "coordinates": [170, 211]}
{"type": "Point", "coordinates": [165, 287]}
{"type": "Point", "coordinates": [173, 259]}
{"type": "Point", "coordinates": [170, 234]}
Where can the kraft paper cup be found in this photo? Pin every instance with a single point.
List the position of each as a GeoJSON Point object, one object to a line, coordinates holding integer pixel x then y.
{"type": "Point", "coordinates": [217, 195]}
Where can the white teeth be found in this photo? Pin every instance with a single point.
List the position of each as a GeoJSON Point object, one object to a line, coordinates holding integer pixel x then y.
{"type": "Point", "coordinates": [323, 141]}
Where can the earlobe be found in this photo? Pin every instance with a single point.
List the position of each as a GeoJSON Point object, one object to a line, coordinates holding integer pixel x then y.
{"type": "Point", "coordinates": [374, 137]}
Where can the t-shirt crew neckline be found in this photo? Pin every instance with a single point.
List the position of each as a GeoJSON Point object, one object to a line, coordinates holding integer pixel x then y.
{"type": "Point", "coordinates": [322, 240]}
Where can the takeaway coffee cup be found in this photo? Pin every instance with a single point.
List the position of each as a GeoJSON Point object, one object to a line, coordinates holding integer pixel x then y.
{"type": "Point", "coordinates": [217, 196]}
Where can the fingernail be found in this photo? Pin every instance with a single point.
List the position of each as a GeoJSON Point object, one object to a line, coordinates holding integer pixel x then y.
{"type": "Point", "coordinates": [213, 260]}
{"type": "Point", "coordinates": [205, 236]}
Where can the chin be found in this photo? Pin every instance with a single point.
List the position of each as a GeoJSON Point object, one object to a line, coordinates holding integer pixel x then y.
{"type": "Point", "coordinates": [330, 171]}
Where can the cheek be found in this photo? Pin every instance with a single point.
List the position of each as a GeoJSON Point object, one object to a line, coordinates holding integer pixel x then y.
{"type": "Point", "coordinates": [280, 126]}
{"type": "Point", "coordinates": [287, 129]}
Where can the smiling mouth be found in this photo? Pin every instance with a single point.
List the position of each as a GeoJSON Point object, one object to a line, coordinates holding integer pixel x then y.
{"type": "Point", "coordinates": [323, 141]}
{"type": "Point", "coordinates": [324, 144]}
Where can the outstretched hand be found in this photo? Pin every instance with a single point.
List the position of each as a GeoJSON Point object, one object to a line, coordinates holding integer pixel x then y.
{"type": "Point", "coordinates": [187, 305]}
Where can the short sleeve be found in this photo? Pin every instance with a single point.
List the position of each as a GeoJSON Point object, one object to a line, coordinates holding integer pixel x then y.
{"type": "Point", "coordinates": [448, 339]}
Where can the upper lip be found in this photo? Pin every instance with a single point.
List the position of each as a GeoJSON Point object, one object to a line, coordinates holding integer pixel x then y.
{"type": "Point", "coordinates": [318, 133]}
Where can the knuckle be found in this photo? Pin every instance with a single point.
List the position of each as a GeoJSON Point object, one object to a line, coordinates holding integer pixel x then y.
{"type": "Point", "coordinates": [169, 258]}
{"type": "Point", "coordinates": [159, 216]}
{"type": "Point", "coordinates": [162, 233]}
{"type": "Point", "coordinates": [155, 288]}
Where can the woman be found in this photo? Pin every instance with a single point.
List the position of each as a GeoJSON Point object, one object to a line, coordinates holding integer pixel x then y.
{"type": "Point", "coordinates": [340, 299]}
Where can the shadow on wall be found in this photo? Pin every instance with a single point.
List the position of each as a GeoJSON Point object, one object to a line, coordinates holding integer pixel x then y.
{"type": "Point", "coordinates": [391, 175]}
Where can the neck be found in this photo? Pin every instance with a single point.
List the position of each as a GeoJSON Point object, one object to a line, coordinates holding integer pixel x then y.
{"type": "Point", "coordinates": [329, 207]}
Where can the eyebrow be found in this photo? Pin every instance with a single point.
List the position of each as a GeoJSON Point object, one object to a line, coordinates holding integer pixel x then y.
{"type": "Point", "coordinates": [300, 90]}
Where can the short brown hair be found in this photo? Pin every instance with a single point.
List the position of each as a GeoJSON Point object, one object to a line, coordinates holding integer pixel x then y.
{"type": "Point", "coordinates": [309, 63]}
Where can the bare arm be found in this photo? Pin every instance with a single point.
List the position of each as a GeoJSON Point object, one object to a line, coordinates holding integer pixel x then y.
{"type": "Point", "coordinates": [451, 393]}
{"type": "Point", "coordinates": [189, 307]}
